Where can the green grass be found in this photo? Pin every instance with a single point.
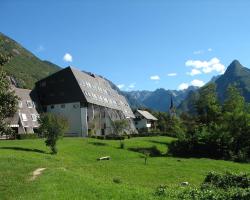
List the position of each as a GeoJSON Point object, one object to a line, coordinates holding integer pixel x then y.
{"type": "Point", "coordinates": [74, 173]}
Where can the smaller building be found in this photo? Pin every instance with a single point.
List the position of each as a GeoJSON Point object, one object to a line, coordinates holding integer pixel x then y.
{"type": "Point", "coordinates": [25, 119]}
{"type": "Point", "coordinates": [144, 119]}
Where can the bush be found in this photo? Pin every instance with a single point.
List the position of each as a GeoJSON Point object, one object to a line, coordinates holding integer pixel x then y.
{"type": "Point", "coordinates": [217, 186]}
{"type": "Point", "coordinates": [227, 180]}
{"type": "Point", "coordinates": [161, 190]}
{"type": "Point", "coordinates": [26, 136]}
{"type": "Point", "coordinates": [100, 137]}
{"type": "Point", "coordinates": [115, 137]}
{"type": "Point", "coordinates": [122, 145]}
{"type": "Point", "coordinates": [117, 180]}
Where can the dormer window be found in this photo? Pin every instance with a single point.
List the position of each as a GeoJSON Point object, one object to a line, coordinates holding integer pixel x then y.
{"type": "Point", "coordinates": [20, 104]}
{"type": "Point", "coordinates": [24, 117]}
{"type": "Point", "coordinates": [29, 104]}
{"type": "Point", "coordinates": [34, 117]}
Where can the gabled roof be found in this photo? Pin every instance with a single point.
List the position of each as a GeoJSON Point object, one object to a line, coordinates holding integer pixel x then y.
{"type": "Point", "coordinates": [147, 115]}
{"type": "Point", "coordinates": [98, 91]}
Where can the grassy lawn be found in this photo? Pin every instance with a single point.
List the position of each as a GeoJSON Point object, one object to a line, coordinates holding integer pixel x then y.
{"type": "Point", "coordinates": [74, 173]}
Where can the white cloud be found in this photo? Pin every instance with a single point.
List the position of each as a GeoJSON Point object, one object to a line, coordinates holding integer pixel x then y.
{"type": "Point", "coordinates": [198, 52]}
{"type": "Point", "coordinates": [172, 74]}
{"type": "Point", "coordinates": [120, 86]}
{"type": "Point", "coordinates": [197, 83]}
{"type": "Point", "coordinates": [67, 57]}
{"type": "Point", "coordinates": [155, 78]}
{"type": "Point", "coordinates": [183, 86]}
{"type": "Point", "coordinates": [210, 49]}
{"type": "Point", "coordinates": [194, 72]}
{"type": "Point", "coordinates": [213, 64]}
{"type": "Point", "coordinates": [131, 85]}
{"type": "Point", "coordinates": [40, 48]}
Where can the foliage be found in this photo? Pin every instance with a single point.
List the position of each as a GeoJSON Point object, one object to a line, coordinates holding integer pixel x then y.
{"type": "Point", "coordinates": [8, 99]}
{"type": "Point", "coordinates": [216, 131]}
{"type": "Point", "coordinates": [117, 180]}
{"type": "Point", "coordinates": [122, 145]}
{"type": "Point", "coordinates": [161, 190]}
{"type": "Point", "coordinates": [216, 186]}
{"type": "Point", "coordinates": [120, 126]}
{"type": "Point", "coordinates": [52, 127]}
{"type": "Point", "coordinates": [26, 136]}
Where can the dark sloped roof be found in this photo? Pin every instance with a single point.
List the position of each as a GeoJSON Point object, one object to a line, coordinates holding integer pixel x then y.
{"type": "Point", "coordinates": [98, 91]}
{"type": "Point", "coordinates": [147, 115]}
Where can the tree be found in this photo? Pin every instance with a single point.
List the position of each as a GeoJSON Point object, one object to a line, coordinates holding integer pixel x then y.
{"type": "Point", "coordinates": [237, 122]}
{"type": "Point", "coordinates": [207, 107]}
{"type": "Point", "coordinates": [174, 126]}
{"type": "Point", "coordinates": [52, 127]}
{"type": "Point", "coordinates": [8, 99]}
{"type": "Point", "coordinates": [120, 126]}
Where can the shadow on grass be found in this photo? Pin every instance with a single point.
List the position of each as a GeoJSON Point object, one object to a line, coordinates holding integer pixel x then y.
{"type": "Point", "coordinates": [159, 142]}
{"type": "Point", "coordinates": [98, 143]}
{"type": "Point", "coordinates": [24, 149]}
{"type": "Point", "coordinates": [152, 151]}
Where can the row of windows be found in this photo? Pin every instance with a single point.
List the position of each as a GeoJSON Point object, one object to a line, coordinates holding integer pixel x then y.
{"type": "Point", "coordinates": [30, 104]}
{"type": "Point", "coordinates": [63, 106]}
{"type": "Point", "coordinates": [33, 117]}
{"type": "Point", "coordinates": [104, 99]}
{"type": "Point", "coordinates": [94, 87]}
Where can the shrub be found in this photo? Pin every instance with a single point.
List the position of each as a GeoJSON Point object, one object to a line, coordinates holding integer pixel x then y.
{"type": "Point", "coordinates": [122, 145]}
{"type": "Point", "coordinates": [227, 180]}
{"type": "Point", "coordinates": [217, 186]}
{"type": "Point", "coordinates": [26, 136]}
{"type": "Point", "coordinates": [117, 180]}
{"type": "Point", "coordinates": [161, 190]}
{"type": "Point", "coordinates": [100, 137]}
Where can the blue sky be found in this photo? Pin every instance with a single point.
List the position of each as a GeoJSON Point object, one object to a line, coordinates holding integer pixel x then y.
{"type": "Point", "coordinates": [137, 44]}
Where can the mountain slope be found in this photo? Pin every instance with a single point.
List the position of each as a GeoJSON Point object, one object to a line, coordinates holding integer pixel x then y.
{"type": "Point", "coordinates": [235, 74]}
{"type": "Point", "coordinates": [158, 100]}
{"type": "Point", "coordinates": [24, 66]}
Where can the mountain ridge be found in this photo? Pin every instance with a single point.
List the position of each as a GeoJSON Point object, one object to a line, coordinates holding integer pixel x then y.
{"type": "Point", "coordinates": [235, 74]}
{"type": "Point", "coordinates": [24, 66]}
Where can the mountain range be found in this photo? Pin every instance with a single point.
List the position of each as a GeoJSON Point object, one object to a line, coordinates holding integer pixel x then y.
{"type": "Point", "coordinates": [236, 74]}
{"type": "Point", "coordinates": [26, 69]}
{"type": "Point", "coordinates": [158, 100]}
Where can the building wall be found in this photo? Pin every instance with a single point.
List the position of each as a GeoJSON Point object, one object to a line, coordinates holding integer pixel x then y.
{"type": "Point", "coordinates": [75, 115]}
{"type": "Point", "coordinates": [142, 123]}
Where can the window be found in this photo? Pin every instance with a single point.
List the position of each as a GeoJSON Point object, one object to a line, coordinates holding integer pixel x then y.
{"type": "Point", "coordinates": [52, 106]}
{"type": "Point", "coordinates": [62, 105]}
{"type": "Point", "coordinates": [24, 117]}
{"type": "Point", "coordinates": [29, 104]}
{"type": "Point", "coordinates": [34, 117]}
{"type": "Point", "coordinates": [20, 104]}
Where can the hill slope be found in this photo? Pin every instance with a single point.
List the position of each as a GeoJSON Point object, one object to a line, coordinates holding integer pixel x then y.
{"type": "Point", "coordinates": [235, 74]}
{"type": "Point", "coordinates": [24, 66]}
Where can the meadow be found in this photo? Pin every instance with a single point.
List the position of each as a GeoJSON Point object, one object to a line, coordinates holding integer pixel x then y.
{"type": "Point", "coordinates": [75, 173]}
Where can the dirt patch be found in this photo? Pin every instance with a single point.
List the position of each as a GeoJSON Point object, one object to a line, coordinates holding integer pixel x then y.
{"type": "Point", "coordinates": [36, 173]}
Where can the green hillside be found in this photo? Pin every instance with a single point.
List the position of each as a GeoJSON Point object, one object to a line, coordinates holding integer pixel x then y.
{"type": "Point", "coordinates": [74, 173]}
{"type": "Point", "coordinates": [24, 66]}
